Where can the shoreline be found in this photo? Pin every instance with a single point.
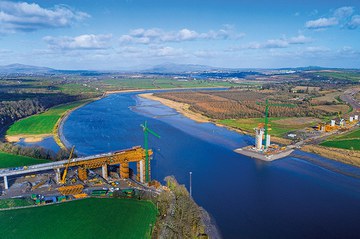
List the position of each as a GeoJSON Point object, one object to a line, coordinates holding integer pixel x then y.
{"type": "Point", "coordinates": [340, 155]}
{"type": "Point", "coordinates": [34, 138]}
{"type": "Point", "coordinates": [110, 92]}
{"type": "Point", "coordinates": [57, 131]}
{"type": "Point", "coordinates": [183, 109]}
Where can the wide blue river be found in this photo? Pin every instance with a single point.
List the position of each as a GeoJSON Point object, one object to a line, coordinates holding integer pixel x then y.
{"type": "Point", "coordinates": [302, 196]}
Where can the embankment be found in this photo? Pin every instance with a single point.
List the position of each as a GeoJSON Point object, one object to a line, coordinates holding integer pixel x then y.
{"type": "Point", "coordinates": [342, 155]}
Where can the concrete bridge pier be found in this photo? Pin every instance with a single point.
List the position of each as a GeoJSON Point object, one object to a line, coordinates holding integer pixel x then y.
{"type": "Point", "coordinates": [140, 171]}
{"type": "Point", "coordinates": [105, 171]}
{"type": "Point", "coordinates": [6, 185]}
{"type": "Point", "coordinates": [57, 175]}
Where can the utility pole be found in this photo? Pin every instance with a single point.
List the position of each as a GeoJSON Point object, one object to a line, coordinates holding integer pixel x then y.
{"type": "Point", "coordinates": [190, 184]}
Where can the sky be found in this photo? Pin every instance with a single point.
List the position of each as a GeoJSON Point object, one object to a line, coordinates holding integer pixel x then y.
{"type": "Point", "coordinates": [129, 34]}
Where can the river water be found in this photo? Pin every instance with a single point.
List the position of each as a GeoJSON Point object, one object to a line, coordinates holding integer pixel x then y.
{"type": "Point", "coordinates": [296, 197]}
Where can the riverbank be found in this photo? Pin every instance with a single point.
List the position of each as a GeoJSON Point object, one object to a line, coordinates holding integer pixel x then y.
{"type": "Point", "coordinates": [184, 109]}
{"type": "Point", "coordinates": [181, 108]}
{"type": "Point", "coordinates": [57, 130]}
{"type": "Point", "coordinates": [37, 127]}
{"type": "Point", "coordinates": [350, 157]}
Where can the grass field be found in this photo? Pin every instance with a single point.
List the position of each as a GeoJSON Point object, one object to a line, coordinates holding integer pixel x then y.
{"type": "Point", "coordinates": [279, 126]}
{"type": "Point", "coordinates": [162, 83]}
{"type": "Point", "coordinates": [352, 135]}
{"type": "Point", "coordinates": [43, 123]}
{"type": "Point", "coordinates": [89, 218]}
{"type": "Point", "coordinates": [352, 76]}
{"type": "Point", "coordinates": [347, 141]}
{"type": "Point", "coordinates": [15, 202]}
{"type": "Point", "coordinates": [11, 160]}
{"type": "Point", "coordinates": [353, 144]}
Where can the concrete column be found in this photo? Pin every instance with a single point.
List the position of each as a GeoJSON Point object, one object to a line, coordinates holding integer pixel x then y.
{"type": "Point", "coordinates": [57, 175]}
{"type": "Point", "coordinates": [6, 185]}
{"type": "Point", "coordinates": [141, 171]}
{"type": "Point", "coordinates": [105, 171]}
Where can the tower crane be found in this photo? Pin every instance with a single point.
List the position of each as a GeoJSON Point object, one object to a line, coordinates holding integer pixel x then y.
{"type": "Point", "coordinates": [146, 146]}
{"type": "Point", "coordinates": [267, 105]}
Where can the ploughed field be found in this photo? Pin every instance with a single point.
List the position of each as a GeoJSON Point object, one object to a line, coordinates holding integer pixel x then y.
{"type": "Point", "coordinates": [88, 218]}
{"type": "Point", "coordinates": [242, 104]}
{"type": "Point", "coordinates": [244, 109]}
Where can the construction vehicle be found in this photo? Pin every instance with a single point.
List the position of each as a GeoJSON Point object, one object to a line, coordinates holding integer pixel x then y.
{"type": "Point", "coordinates": [99, 193]}
{"type": "Point", "coordinates": [63, 179]}
{"type": "Point", "coordinates": [38, 185]}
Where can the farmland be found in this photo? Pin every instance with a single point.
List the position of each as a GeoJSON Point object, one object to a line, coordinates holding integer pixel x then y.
{"type": "Point", "coordinates": [341, 75]}
{"type": "Point", "coordinates": [156, 83]}
{"type": "Point", "coordinates": [280, 126]}
{"type": "Point", "coordinates": [89, 218]}
{"type": "Point", "coordinates": [15, 202]}
{"type": "Point", "coordinates": [353, 144]}
{"type": "Point", "coordinates": [234, 104]}
{"type": "Point", "coordinates": [10, 160]}
{"type": "Point", "coordinates": [42, 123]}
{"type": "Point", "coordinates": [347, 141]}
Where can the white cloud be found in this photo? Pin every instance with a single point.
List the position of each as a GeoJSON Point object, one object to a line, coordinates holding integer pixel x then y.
{"type": "Point", "coordinates": [343, 12]}
{"type": "Point", "coordinates": [354, 22]}
{"type": "Point", "coordinates": [22, 16]}
{"type": "Point", "coordinates": [89, 41]}
{"type": "Point", "coordinates": [339, 16]}
{"type": "Point", "coordinates": [278, 43]}
{"type": "Point", "coordinates": [321, 23]}
{"type": "Point", "coordinates": [156, 35]}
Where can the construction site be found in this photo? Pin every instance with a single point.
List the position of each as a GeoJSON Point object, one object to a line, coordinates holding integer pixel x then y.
{"type": "Point", "coordinates": [264, 150]}
{"type": "Point", "coordinates": [99, 175]}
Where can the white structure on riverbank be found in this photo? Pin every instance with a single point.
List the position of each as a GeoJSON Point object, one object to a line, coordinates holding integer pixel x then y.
{"type": "Point", "coordinates": [259, 138]}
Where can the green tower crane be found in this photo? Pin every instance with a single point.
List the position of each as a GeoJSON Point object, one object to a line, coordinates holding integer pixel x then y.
{"type": "Point", "coordinates": [267, 105]}
{"type": "Point", "coordinates": [146, 146]}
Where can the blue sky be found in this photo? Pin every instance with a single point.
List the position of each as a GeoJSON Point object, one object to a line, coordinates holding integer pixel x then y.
{"type": "Point", "coordinates": [118, 34]}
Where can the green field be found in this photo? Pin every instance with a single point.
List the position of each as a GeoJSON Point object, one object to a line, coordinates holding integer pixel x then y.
{"type": "Point", "coordinates": [11, 160]}
{"type": "Point", "coordinates": [43, 123]}
{"type": "Point", "coordinates": [89, 218]}
{"type": "Point", "coordinates": [162, 83]}
{"type": "Point", "coordinates": [276, 128]}
{"type": "Point", "coordinates": [347, 141]}
{"type": "Point", "coordinates": [352, 76]}
{"type": "Point", "coordinates": [10, 203]}
{"type": "Point", "coordinates": [352, 135]}
{"type": "Point", "coordinates": [353, 144]}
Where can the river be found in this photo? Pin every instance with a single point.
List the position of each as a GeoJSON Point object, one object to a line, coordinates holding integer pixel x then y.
{"type": "Point", "coordinates": [289, 198]}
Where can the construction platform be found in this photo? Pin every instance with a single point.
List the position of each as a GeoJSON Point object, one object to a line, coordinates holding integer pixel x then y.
{"type": "Point", "coordinates": [251, 151]}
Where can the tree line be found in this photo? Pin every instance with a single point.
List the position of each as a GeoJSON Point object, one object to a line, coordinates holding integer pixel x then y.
{"type": "Point", "coordinates": [35, 152]}
{"type": "Point", "coordinates": [10, 111]}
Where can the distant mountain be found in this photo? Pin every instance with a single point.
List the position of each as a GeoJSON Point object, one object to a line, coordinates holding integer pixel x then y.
{"type": "Point", "coordinates": [180, 68]}
{"type": "Point", "coordinates": [24, 69]}
{"type": "Point", "coordinates": [28, 70]}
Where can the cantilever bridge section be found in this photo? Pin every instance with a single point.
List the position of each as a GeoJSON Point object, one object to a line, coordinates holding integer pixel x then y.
{"type": "Point", "coordinates": [123, 158]}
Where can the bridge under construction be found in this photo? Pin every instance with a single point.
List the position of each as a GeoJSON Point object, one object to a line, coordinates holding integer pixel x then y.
{"type": "Point", "coordinates": [83, 164]}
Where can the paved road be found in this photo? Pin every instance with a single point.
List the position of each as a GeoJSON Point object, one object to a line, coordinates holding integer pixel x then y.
{"type": "Point", "coordinates": [349, 97]}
